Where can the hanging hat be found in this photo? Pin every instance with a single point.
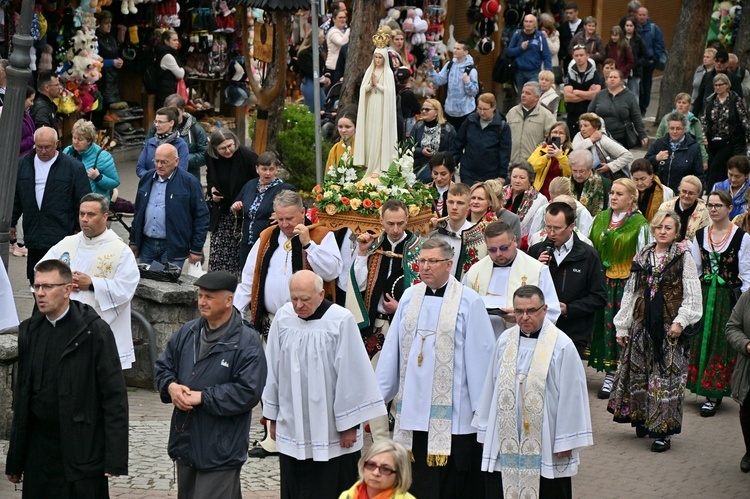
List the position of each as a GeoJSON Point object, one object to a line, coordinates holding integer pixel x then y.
{"type": "Point", "coordinates": [512, 17]}
{"type": "Point", "coordinates": [485, 46]}
{"type": "Point", "coordinates": [490, 9]}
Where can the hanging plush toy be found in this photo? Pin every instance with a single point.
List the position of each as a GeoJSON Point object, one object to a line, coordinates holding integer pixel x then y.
{"type": "Point", "coordinates": [420, 28]}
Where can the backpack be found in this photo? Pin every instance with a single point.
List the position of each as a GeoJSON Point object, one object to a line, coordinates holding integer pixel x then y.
{"type": "Point", "coordinates": [479, 83]}
{"type": "Point", "coordinates": [504, 70]}
{"type": "Point", "coordinates": [150, 79]}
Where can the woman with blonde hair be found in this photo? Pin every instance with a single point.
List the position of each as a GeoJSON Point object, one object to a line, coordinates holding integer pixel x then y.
{"type": "Point", "coordinates": [384, 473]}
{"type": "Point", "coordinates": [617, 233]}
{"type": "Point", "coordinates": [549, 98]}
{"type": "Point", "coordinates": [501, 214]}
{"type": "Point", "coordinates": [550, 159]}
{"type": "Point", "coordinates": [398, 45]}
{"type": "Point", "coordinates": [100, 165]}
{"type": "Point", "coordinates": [431, 134]}
{"type": "Point", "coordinates": [661, 299]}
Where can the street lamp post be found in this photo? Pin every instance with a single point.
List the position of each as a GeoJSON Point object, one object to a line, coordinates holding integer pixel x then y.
{"type": "Point", "coordinates": [18, 76]}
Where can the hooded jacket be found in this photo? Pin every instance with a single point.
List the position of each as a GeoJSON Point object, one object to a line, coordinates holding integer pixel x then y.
{"type": "Point", "coordinates": [685, 160]}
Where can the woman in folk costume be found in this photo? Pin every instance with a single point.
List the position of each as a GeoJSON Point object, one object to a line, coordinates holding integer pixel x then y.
{"type": "Point", "coordinates": [617, 234]}
{"type": "Point", "coordinates": [522, 198]}
{"type": "Point", "coordinates": [662, 298]}
{"type": "Point", "coordinates": [721, 254]}
{"type": "Point", "coordinates": [376, 135]}
{"type": "Point", "coordinates": [651, 192]}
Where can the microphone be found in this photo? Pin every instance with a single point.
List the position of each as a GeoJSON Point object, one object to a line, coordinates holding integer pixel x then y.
{"type": "Point", "coordinates": [550, 248]}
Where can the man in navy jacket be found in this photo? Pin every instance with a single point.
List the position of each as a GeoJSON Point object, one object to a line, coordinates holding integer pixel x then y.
{"type": "Point", "coordinates": [171, 215]}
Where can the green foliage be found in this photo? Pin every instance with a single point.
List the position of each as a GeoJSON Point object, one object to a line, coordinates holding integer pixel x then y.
{"type": "Point", "coordinates": [296, 146]}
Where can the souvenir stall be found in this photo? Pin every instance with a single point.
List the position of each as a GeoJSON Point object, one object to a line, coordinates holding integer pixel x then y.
{"type": "Point", "coordinates": [68, 38]}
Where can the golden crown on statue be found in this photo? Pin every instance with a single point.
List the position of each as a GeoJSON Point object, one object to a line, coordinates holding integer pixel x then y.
{"type": "Point", "coordinates": [381, 39]}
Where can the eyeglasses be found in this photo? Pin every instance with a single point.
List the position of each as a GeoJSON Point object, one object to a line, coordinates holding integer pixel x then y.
{"type": "Point", "coordinates": [425, 109]}
{"type": "Point", "coordinates": [432, 261]}
{"type": "Point", "coordinates": [501, 249]}
{"type": "Point", "coordinates": [720, 84]}
{"type": "Point", "coordinates": [46, 287]}
{"type": "Point", "coordinates": [688, 193]}
{"type": "Point", "coordinates": [519, 312]}
{"type": "Point", "coordinates": [484, 109]}
{"type": "Point", "coordinates": [225, 148]}
{"type": "Point", "coordinates": [384, 470]}
{"type": "Point", "coordinates": [555, 230]}
{"type": "Point", "coordinates": [160, 122]}
{"type": "Point", "coordinates": [715, 206]}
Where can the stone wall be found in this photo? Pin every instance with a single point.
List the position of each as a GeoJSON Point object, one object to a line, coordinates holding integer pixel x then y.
{"type": "Point", "coordinates": [167, 306]}
{"type": "Point", "coordinates": [8, 365]}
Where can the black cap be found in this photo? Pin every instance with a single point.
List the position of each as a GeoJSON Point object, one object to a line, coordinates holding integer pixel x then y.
{"type": "Point", "coordinates": [219, 280]}
{"type": "Point", "coordinates": [722, 55]}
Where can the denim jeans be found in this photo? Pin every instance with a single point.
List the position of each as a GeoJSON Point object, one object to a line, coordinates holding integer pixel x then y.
{"type": "Point", "coordinates": [155, 250]}
{"type": "Point", "coordinates": [524, 77]}
{"type": "Point", "coordinates": [634, 85]}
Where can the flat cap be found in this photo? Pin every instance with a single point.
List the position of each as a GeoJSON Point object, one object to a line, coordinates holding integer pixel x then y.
{"type": "Point", "coordinates": [217, 281]}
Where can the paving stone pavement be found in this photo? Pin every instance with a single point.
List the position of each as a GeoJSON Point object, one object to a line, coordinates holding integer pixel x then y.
{"type": "Point", "coordinates": [703, 461]}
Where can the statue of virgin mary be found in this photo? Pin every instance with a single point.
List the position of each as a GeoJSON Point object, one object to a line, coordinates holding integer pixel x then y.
{"type": "Point", "coordinates": [376, 136]}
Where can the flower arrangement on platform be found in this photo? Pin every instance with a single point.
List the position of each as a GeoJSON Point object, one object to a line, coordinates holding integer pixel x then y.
{"type": "Point", "coordinates": [343, 191]}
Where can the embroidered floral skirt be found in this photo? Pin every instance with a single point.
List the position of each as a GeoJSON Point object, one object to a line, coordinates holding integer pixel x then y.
{"type": "Point", "coordinates": [604, 350]}
{"type": "Point", "coordinates": [225, 249]}
{"type": "Point", "coordinates": [649, 392]}
{"type": "Point", "coordinates": [719, 356]}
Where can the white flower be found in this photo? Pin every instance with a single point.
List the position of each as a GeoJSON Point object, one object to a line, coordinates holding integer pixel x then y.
{"type": "Point", "coordinates": [410, 178]}
{"type": "Point", "coordinates": [351, 175]}
{"type": "Point", "coordinates": [347, 185]}
{"type": "Point", "coordinates": [381, 187]}
{"type": "Point", "coordinates": [341, 169]}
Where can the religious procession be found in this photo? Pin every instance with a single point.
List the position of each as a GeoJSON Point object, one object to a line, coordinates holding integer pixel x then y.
{"type": "Point", "coordinates": [422, 323]}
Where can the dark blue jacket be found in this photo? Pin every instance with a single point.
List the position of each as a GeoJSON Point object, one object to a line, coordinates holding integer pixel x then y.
{"type": "Point", "coordinates": [653, 38]}
{"type": "Point", "coordinates": [146, 159]}
{"type": "Point", "coordinates": [186, 217]}
{"type": "Point", "coordinates": [536, 53]}
{"type": "Point", "coordinates": [422, 163]}
{"type": "Point", "coordinates": [483, 153]}
{"type": "Point", "coordinates": [686, 160]}
{"type": "Point", "coordinates": [214, 435]}
{"type": "Point", "coordinates": [66, 184]}
{"type": "Point", "coordinates": [265, 210]}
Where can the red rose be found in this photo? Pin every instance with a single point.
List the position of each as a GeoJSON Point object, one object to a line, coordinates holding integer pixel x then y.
{"type": "Point", "coordinates": [467, 266]}
{"type": "Point", "coordinates": [415, 267]}
{"type": "Point", "coordinates": [367, 203]}
{"type": "Point", "coordinates": [345, 200]}
{"type": "Point", "coordinates": [378, 203]}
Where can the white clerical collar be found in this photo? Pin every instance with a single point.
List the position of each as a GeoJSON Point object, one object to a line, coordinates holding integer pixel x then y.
{"type": "Point", "coordinates": [94, 239]}
{"type": "Point", "coordinates": [54, 321]}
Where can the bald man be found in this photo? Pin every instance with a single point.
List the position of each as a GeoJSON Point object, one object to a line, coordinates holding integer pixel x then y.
{"type": "Point", "coordinates": [49, 214]}
{"type": "Point", "coordinates": [171, 215]}
{"type": "Point", "coordinates": [320, 389]}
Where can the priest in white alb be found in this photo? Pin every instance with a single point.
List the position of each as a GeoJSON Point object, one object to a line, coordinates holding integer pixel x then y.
{"type": "Point", "coordinates": [505, 269]}
{"type": "Point", "coordinates": [319, 390]}
{"type": "Point", "coordinates": [8, 312]}
{"type": "Point", "coordinates": [533, 415]}
{"type": "Point", "coordinates": [105, 273]}
{"type": "Point", "coordinates": [433, 365]}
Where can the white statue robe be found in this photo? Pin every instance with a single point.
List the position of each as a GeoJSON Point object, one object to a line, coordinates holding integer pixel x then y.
{"type": "Point", "coordinates": [324, 259]}
{"type": "Point", "coordinates": [319, 383]}
{"type": "Point", "coordinates": [472, 349]}
{"type": "Point", "coordinates": [501, 285]}
{"type": "Point", "coordinates": [8, 312]}
{"type": "Point", "coordinates": [115, 275]}
{"type": "Point", "coordinates": [566, 420]}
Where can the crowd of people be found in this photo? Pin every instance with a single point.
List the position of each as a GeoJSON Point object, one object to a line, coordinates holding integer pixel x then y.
{"type": "Point", "coordinates": [461, 350]}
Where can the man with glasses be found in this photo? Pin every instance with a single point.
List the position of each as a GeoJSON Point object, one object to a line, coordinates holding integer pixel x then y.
{"type": "Point", "coordinates": [44, 110]}
{"type": "Point", "coordinates": [721, 66]}
{"type": "Point", "coordinates": [505, 269]}
{"type": "Point", "coordinates": [580, 86]}
{"type": "Point", "coordinates": [105, 273]}
{"type": "Point", "coordinates": [319, 391]}
{"type": "Point", "coordinates": [70, 418]}
{"type": "Point", "coordinates": [49, 188]}
{"type": "Point", "coordinates": [577, 272]}
{"type": "Point", "coordinates": [534, 407]}
{"type": "Point", "coordinates": [689, 207]}
{"type": "Point", "coordinates": [171, 216]}
{"type": "Point", "coordinates": [433, 364]}
{"type": "Point", "coordinates": [677, 154]}
{"type": "Point", "coordinates": [482, 146]}
{"type": "Point", "coordinates": [166, 133]}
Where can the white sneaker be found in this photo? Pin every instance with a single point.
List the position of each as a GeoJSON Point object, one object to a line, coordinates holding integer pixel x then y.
{"type": "Point", "coordinates": [20, 251]}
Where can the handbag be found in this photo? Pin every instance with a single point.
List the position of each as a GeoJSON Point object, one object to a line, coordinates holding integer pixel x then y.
{"type": "Point", "coordinates": [623, 172]}
{"type": "Point", "coordinates": [693, 329]}
{"type": "Point", "coordinates": [182, 89]}
{"type": "Point", "coordinates": [631, 136]}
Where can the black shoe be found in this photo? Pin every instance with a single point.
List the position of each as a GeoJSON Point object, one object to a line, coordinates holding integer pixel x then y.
{"type": "Point", "coordinates": [606, 388]}
{"type": "Point", "coordinates": [259, 452]}
{"type": "Point", "coordinates": [391, 422]}
{"type": "Point", "coordinates": [661, 445]}
{"type": "Point", "coordinates": [745, 463]}
{"type": "Point", "coordinates": [708, 409]}
{"type": "Point", "coordinates": [641, 431]}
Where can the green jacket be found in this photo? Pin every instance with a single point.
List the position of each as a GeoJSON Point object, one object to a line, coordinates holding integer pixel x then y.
{"type": "Point", "coordinates": [738, 336]}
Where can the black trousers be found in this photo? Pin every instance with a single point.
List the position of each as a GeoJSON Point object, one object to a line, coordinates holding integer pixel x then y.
{"type": "Point", "coordinates": [459, 479]}
{"type": "Point", "coordinates": [35, 254]}
{"type": "Point", "coordinates": [456, 121]}
{"type": "Point", "coordinates": [558, 488]}
{"type": "Point", "coordinates": [745, 422]}
{"type": "Point", "coordinates": [308, 479]}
